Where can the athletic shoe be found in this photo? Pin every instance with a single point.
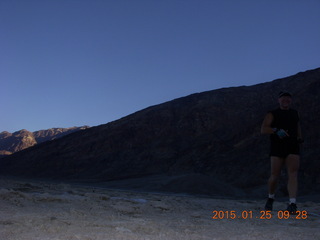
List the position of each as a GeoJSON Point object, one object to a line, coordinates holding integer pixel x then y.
{"type": "Point", "coordinates": [269, 204]}
{"type": "Point", "coordinates": [292, 208]}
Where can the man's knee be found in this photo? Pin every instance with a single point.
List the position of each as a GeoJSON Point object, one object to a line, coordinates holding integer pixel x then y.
{"type": "Point", "coordinates": [292, 174]}
{"type": "Point", "coordinates": [274, 177]}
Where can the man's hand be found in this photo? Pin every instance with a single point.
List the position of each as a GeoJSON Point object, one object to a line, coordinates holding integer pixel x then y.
{"type": "Point", "coordinates": [281, 133]}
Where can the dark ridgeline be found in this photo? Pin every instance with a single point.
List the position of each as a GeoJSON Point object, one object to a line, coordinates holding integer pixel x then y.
{"type": "Point", "coordinates": [207, 142]}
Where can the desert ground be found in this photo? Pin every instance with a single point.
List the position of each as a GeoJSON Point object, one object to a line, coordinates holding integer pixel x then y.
{"type": "Point", "coordinates": [60, 211]}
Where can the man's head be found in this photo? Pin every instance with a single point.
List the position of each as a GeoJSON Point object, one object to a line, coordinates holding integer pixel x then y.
{"type": "Point", "coordinates": [285, 100]}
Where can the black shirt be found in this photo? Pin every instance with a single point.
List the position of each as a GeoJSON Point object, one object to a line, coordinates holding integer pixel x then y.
{"type": "Point", "coordinates": [287, 120]}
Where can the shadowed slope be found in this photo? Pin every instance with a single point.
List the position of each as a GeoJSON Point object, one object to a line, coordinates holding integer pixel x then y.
{"type": "Point", "coordinates": [214, 133]}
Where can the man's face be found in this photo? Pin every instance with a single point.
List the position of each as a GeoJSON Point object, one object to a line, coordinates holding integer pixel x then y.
{"type": "Point", "coordinates": [285, 102]}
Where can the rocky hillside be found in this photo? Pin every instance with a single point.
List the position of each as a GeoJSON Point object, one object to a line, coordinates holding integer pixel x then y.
{"type": "Point", "coordinates": [207, 142]}
{"type": "Point", "coordinates": [17, 141]}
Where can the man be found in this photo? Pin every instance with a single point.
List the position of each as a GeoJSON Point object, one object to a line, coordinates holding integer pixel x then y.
{"type": "Point", "coordinates": [283, 125]}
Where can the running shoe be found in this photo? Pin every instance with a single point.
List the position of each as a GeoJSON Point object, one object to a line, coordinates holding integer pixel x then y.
{"type": "Point", "coordinates": [269, 204]}
{"type": "Point", "coordinates": [292, 208]}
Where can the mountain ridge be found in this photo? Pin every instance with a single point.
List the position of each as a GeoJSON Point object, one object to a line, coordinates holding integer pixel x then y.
{"type": "Point", "coordinates": [22, 139]}
{"type": "Point", "coordinates": [213, 134]}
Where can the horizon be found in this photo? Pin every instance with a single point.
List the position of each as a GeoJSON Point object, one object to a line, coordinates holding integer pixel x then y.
{"type": "Point", "coordinates": [162, 103]}
{"type": "Point", "coordinates": [75, 63]}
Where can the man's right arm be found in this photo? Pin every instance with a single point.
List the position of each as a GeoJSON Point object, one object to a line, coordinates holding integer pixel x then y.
{"type": "Point", "coordinates": [266, 125]}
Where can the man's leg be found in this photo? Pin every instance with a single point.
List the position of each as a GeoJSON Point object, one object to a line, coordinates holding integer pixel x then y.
{"type": "Point", "coordinates": [276, 165]}
{"type": "Point", "coordinates": [292, 163]}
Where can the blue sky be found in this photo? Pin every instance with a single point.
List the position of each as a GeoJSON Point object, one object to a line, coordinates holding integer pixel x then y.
{"type": "Point", "coordinates": [70, 63]}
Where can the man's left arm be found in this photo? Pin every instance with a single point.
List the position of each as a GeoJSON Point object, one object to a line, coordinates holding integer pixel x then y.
{"type": "Point", "coordinates": [299, 131]}
{"type": "Point", "coordinates": [300, 139]}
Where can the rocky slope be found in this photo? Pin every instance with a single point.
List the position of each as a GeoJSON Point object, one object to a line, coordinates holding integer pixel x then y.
{"type": "Point", "coordinates": [210, 142]}
{"type": "Point", "coordinates": [17, 141]}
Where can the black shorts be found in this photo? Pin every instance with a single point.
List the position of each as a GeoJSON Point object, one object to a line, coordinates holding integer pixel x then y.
{"type": "Point", "coordinates": [284, 148]}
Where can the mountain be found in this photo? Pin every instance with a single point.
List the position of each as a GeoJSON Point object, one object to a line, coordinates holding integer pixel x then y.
{"type": "Point", "coordinates": [207, 143]}
{"type": "Point", "coordinates": [13, 142]}
{"type": "Point", "coordinates": [17, 141]}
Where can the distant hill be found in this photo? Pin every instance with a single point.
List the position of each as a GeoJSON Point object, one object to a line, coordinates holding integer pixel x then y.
{"type": "Point", "coordinates": [17, 141]}
{"type": "Point", "coordinates": [207, 143]}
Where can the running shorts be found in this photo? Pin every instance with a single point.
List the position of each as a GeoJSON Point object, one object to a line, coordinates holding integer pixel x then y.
{"type": "Point", "coordinates": [283, 148]}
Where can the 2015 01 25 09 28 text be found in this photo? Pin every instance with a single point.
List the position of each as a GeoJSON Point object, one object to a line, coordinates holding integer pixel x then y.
{"type": "Point", "coordinates": [249, 214]}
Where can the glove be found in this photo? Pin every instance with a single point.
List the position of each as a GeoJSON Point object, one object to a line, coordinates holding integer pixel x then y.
{"type": "Point", "coordinates": [281, 133]}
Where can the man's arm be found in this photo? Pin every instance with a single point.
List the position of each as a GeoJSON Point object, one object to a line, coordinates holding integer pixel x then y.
{"type": "Point", "coordinates": [299, 131]}
{"type": "Point", "coordinates": [266, 124]}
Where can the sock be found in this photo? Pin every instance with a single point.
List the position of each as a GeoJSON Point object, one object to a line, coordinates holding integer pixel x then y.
{"type": "Point", "coordinates": [271, 196]}
{"type": "Point", "coordinates": [292, 200]}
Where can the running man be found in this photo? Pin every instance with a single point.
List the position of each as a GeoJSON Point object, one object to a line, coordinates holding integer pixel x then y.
{"type": "Point", "coordinates": [283, 125]}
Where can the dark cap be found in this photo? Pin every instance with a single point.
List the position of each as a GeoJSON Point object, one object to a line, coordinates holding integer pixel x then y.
{"type": "Point", "coordinates": [284, 93]}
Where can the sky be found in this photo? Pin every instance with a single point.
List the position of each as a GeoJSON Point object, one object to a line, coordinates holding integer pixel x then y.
{"type": "Point", "coordinates": [67, 63]}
